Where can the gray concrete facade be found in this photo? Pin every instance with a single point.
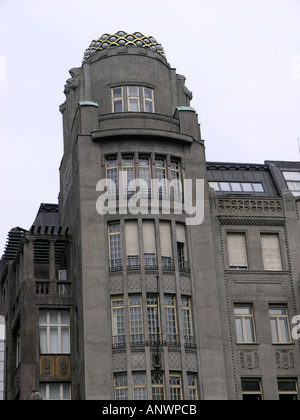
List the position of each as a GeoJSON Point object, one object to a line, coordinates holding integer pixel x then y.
{"type": "Point", "coordinates": [156, 316]}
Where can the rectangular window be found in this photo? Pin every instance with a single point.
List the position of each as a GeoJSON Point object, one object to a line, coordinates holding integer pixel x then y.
{"type": "Point", "coordinates": [244, 323]}
{"type": "Point", "coordinates": [192, 386]}
{"type": "Point", "coordinates": [166, 245]}
{"type": "Point", "coordinates": [158, 386]}
{"type": "Point", "coordinates": [54, 327]}
{"type": "Point", "coordinates": [149, 100]}
{"type": "Point", "coordinates": [117, 99]}
{"type": "Point", "coordinates": [176, 386]}
{"type": "Point", "coordinates": [171, 321]}
{"type": "Point", "coordinates": [291, 175]}
{"type": "Point", "coordinates": [118, 322]}
{"type": "Point", "coordinates": [160, 176]}
{"type": "Point", "coordinates": [115, 250]}
{"type": "Point", "coordinates": [280, 324]}
{"type": "Point", "coordinates": [112, 176]}
{"type": "Point", "coordinates": [139, 386]}
{"type": "Point", "coordinates": [153, 320]}
{"type": "Point", "coordinates": [176, 180]}
{"type": "Point", "coordinates": [136, 321]}
{"type": "Point", "coordinates": [128, 174]}
{"type": "Point", "coordinates": [132, 244]}
{"type": "Point", "coordinates": [55, 391]}
{"type": "Point", "coordinates": [149, 245]}
{"type": "Point", "coordinates": [237, 251]}
{"type": "Point", "coordinates": [271, 252]}
{"type": "Point", "coordinates": [133, 99]}
{"type": "Point", "coordinates": [189, 341]}
{"type": "Point", "coordinates": [288, 390]}
{"type": "Point", "coordinates": [181, 248]}
{"type": "Point", "coordinates": [252, 390]}
{"type": "Point", "coordinates": [145, 177]}
{"type": "Point", "coordinates": [121, 387]}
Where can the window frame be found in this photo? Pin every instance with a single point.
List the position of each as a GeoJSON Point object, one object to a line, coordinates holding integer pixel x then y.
{"type": "Point", "coordinates": [278, 318]}
{"type": "Point", "coordinates": [244, 328]}
{"type": "Point", "coordinates": [121, 389]}
{"type": "Point", "coordinates": [59, 326]}
{"type": "Point", "coordinates": [293, 394]}
{"type": "Point", "coordinates": [158, 389]}
{"type": "Point", "coordinates": [139, 389]}
{"type": "Point", "coordinates": [142, 100]}
{"type": "Point", "coordinates": [115, 247]}
{"type": "Point", "coordinates": [175, 387]}
{"type": "Point", "coordinates": [118, 324]}
{"type": "Point", "coordinates": [257, 393]}
{"type": "Point", "coordinates": [62, 385]}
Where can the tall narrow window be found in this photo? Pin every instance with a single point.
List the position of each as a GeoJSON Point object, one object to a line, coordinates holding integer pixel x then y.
{"type": "Point", "coordinates": [192, 386]}
{"type": "Point", "coordinates": [158, 386]}
{"type": "Point", "coordinates": [237, 251]}
{"type": "Point", "coordinates": [166, 245]}
{"type": "Point", "coordinates": [139, 386]}
{"type": "Point", "coordinates": [133, 99]}
{"type": "Point", "coordinates": [121, 387]}
{"type": "Point", "coordinates": [112, 177]}
{"type": "Point", "coordinates": [176, 180]}
{"type": "Point", "coordinates": [149, 100]}
{"type": "Point", "coordinates": [271, 252]}
{"type": "Point", "coordinates": [118, 322]}
{"type": "Point", "coordinates": [181, 248]}
{"type": "Point", "coordinates": [189, 341]}
{"type": "Point", "coordinates": [149, 245]}
{"type": "Point", "coordinates": [280, 324]}
{"type": "Point", "coordinates": [132, 244]}
{"type": "Point", "coordinates": [128, 176]}
{"type": "Point", "coordinates": [244, 323]}
{"type": "Point", "coordinates": [145, 175]}
{"type": "Point", "coordinates": [171, 321]}
{"type": "Point", "coordinates": [54, 329]}
{"type": "Point", "coordinates": [136, 321]}
{"type": "Point", "coordinates": [176, 386]}
{"type": "Point", "coordinates": [117, 99]}
{"type": "Point", "coordinates": [160, 175]}
{"type": "Point", "coordinates": [153, 320]}
{"type": "Point", "coordinates": [115, 251]}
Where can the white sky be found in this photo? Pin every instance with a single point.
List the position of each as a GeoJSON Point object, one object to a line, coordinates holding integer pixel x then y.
{"type": "Point", "coordinates": [241, 59]}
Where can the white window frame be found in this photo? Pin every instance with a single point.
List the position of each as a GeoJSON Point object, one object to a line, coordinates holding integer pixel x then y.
{"type": "Point", "coordinates": [45, 391]}
{"type": "Point", "coordinates": [58, 326]}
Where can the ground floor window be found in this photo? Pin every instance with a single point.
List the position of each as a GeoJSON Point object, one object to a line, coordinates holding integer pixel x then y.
{"type": "Point", "coordinates": [55, 391]}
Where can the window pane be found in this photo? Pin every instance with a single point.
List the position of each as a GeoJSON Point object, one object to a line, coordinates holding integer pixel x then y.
{"type": "Point", "coordinates": [275, 334]}
{"type": "Point", "coordinates": [133, 105]}
{"type": "Point", "coordinates": [292, 176]}
{"type": "Point", "coordinates": [148, 93]}
{"type": "Point", "coordinates": [43, 317]}
{"type": "Point", "coordinates": [118, 106]}
{"type": "Point", "coordinates": [117, 93]}
{"type": "Point", "coordinates": [65, 340]}
{"type": "Point", "coordinates": [284, 330]}
{"type": "Point", "coordinates": [214, 185]}
{"type": "Point", "coordinates": [249, 330]}
{"type": "Point", "coordinates": [294, 186]}
{"type": "Point", "coordinates": [43, 340]}
{"type": "Point", "coordinates": [54, 391]}
{"type": "Point", "coordinates": [236, 187]}
{"type": "Point", "coordinates": [54, 317]}
{"type": "Point", "coordinates": [66, 391]}
{"type": "Point", "coordinates": [239, 330]}
{"type": "Point", "coordinates": [54, 340]}
{"type": "Point", "coordinates": [133, 92]}
{"type": "Point", "coordinates": [65, 317]}
{"type": "Point", "coordinates": [225, 186]}
{"type": "Point", "coordinates": [149, 107]}
{"type": "Point", "coordinates": [247, 187]}
{"type": "Point", "coordinates": [258, 187]}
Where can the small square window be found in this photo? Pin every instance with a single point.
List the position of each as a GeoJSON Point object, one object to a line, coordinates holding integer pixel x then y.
{"type": "Point", "coordinates": [225, 186]}
{"type": "Point", "coordinates": [258, 188]}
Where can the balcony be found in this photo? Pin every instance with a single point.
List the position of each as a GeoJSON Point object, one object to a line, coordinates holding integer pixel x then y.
{"type": "Point", "coordinates": [53, 288]}
{"type": "Point", "coordinates": [137, 340]}
{"type": "Point", "coordinates": [173, 340]}
{"type": "Point", "coordinates": [189, 342]}
{"type": "Point", "coordinates": [115, 265]}
{"type": "Point", "coordinates": [184, 266]}
{"type": "Point", "coordinates": [133, 263]}
{"type": "Point", "coordinates": [119, 342]}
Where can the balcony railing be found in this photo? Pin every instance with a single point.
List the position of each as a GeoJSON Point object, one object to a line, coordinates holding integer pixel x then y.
{"type": "Point", "coordinates": [173, 340]}
{"type": "Point", "coordinates": [167, 264]}
{"type": "Point", "coordinates": [115, 265]}
{"type": "Point", "coordinates": [137, 340]}
{"type": "Point", "coordinates": [189, 342]}
{"type": "Point", "coordinates": [155, 340]}
{"type": "Point", "coordinates": [150, 262]}
{"type": "Point", "coordinates": [119, 342]}
{"type": "Point", "coordinates": [184, 266]}
{"type": "Point", "coordinates": [133, 263]}
{"type": "Point", "coordinates": [60, 288]}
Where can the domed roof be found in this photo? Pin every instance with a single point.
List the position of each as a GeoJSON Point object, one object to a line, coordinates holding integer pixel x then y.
{"type": "Point", "coordinates": [121, 39]}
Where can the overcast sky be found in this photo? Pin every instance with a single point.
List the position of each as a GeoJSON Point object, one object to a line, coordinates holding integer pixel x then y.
{"type": "Point", "coordinates": [241, 59]}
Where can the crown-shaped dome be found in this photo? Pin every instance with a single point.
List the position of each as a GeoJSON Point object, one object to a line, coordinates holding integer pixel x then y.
{"type": "Point", "coordinates": [121, 39]}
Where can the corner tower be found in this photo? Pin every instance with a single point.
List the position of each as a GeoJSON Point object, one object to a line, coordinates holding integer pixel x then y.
{"type": "Point", "coordinates": [142, 304]}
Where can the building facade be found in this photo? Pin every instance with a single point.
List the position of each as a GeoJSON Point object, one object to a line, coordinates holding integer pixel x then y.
{"type": "Point", "coordinates": [158, 275]}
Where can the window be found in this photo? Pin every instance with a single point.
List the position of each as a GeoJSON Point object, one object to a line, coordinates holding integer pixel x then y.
{"type": "Point", "coordinates": [280, 324]}
{"type": "Point", "coordinates": [158, 386]}
{"type": "Point", "coordinates": [136, 321]}
{"type": "Point", "coordinates": [132, 245]}
{"type": "Point", "coordinates": [112, 175]}
{"type": "Point", "coordinates": [145, 175]}
{"type": "Point", "coordinates": [252, 389]}
{"type": "Point", "coordinates": [55, 391]}
{"type": "Point", "coordinates": [237, 251]}
{"type": "Point", "coordinates": [128, 177]}
{"type": "Point", "coordinates": [189, 341]}
{"type": "Point", "coordinates": [117, 99]}
{"type": "Point", "coordinates": [160, 176]}
{"type": "Point", "coordinates": [54, 329]}
{"type": "Point", "coordinates": [244, 323]}
{"type": "Point", "coordinates": [115, 251]}
{"type": "Point", "coordinates": [192, 387]}
{"type": "Point", "coordinates": [139, 386]}
{"type": "Point", "coordinates": [149, 100]}
{"type": "Point", "coordinates": [176, 180]}
{"type": "Point", "coordinates": [166, 245]}
{"type": "Point", "coordinates": [171, 321]}
{"type": "Point", "coordinates": [288, 390]}
{"type": "Point", "coordinates": [237, 187]}
{"type": "Point", "coordinates": [118, 322]}
{"type": "Point", "coordinates": [153, 320]}
{"type": "Point", "coordinates": [176, 386]}
{"type": "Point", "coordinates": [293, 181]}
{"type": "Point", "coordinates": [121, 387]}
{"type": "Point", "coordinates": [181, 248]}
{"type": "Point", "coordinates": [271, 252]}
{"type": "Point", "coordinates": [149, 245]}
{"type": "Point", "coordinates": [133, 99]}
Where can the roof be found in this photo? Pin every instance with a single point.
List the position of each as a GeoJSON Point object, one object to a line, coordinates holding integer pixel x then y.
{"type": "Point", "coordinates": [122, 39]}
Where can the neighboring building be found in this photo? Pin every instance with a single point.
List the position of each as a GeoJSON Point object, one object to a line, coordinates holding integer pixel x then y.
{"type": "Point", "coordinates": [124, 305]}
